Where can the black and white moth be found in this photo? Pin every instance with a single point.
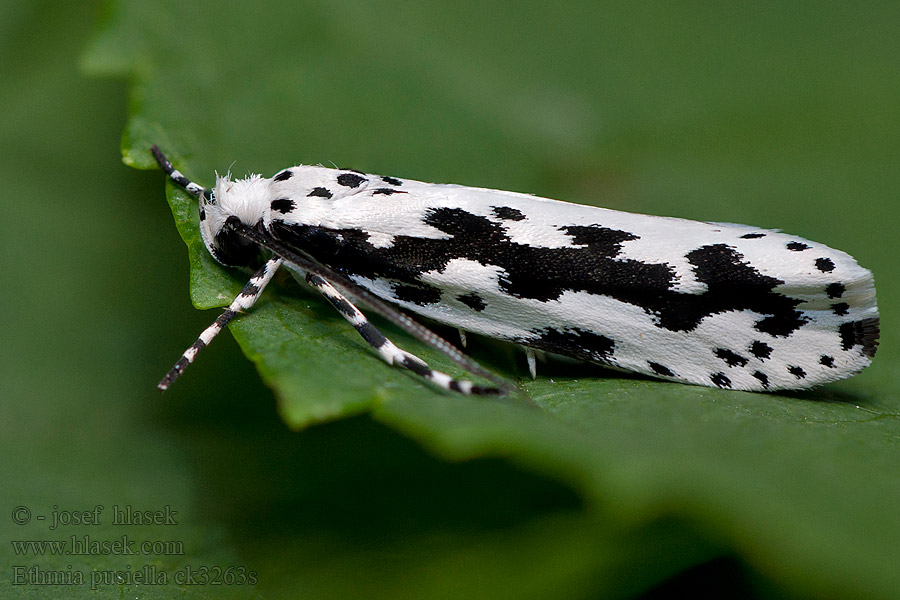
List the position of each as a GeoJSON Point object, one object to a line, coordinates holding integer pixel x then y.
{"type": "Point", "coordinates": [713, 304]}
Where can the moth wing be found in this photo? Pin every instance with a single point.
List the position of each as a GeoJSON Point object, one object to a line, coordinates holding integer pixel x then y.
{"type": "Point", "coordinates": [708, 303]}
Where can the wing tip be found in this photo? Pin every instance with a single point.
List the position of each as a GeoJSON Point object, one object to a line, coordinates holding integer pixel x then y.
{"type": "Point", "coordinates": [864, 332]}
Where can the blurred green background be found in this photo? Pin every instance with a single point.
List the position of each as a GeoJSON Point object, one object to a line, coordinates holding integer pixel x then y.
{"type": "Point", "coordinates": [782, 115]}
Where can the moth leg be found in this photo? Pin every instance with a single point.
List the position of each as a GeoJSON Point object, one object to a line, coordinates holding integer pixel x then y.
{"type": "Point", "coordinates": [348, 287]}
{"type": "Point", "coordinates": [532, 362]}
{"type": "Point", "coordinates": [386, 349]}
{"type": "Point", "coordinates": [244, 301]}
{"type": "Point", "coordinates": [462, 337]}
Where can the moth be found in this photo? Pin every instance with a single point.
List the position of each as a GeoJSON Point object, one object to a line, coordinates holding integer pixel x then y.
{"type": "Point", "coordinates": [714, 304]}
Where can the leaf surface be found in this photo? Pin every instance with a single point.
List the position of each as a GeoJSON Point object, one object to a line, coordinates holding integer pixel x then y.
{"type": "Point", "coordinates": [778, 118]}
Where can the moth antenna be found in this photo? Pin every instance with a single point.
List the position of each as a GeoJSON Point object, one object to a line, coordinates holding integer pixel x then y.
{"type": "Point", "coordinates": [177, 176]}
{"type": "Point", "coordinates": [244, 301]}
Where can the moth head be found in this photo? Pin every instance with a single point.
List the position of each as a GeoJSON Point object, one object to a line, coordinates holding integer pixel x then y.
{"type": "Point", "coordinates": [247, 199]}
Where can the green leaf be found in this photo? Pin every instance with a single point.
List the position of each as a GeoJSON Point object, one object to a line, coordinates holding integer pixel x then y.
{"type": "Point", "coordinates": [777, 117]}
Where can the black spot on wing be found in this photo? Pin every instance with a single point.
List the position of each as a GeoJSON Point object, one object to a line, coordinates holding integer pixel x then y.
{"type": "Point", "coordinates": [840, 308]}
{"type": "Point", "coordinates": [535, 272]}
{"type": "Point", "coordinates": [319, 192]}
{"type": "Point", "coordinates": [387, 191]}
{"type": "Point", "coordinates": [720, 380]}
{"type": "Point", "coordinates": [797, 246]}
{"type": "Point", "coordinates": [601, 239]}
{"type": "Point", "coordinates": [391, 181]}
{"type": "Point", "coordinates": [860, 333]}
{"type": "Point", "coordinates": [418, 293]}
{"type": "Point", "coordinates": [507, 213]}
{"type": "Point", "coordinates": [781, 324]}
{"type": "Point", "coordinates": [660, 370]}
{"type": "Point", "coordinates": [350, 180]}
{"type": "Point", "coordinates": [284, 175]}
{"type": "Point", "coordinates": [752, 236]}
{"type": "Point", "coordinates": [732, 359]}
{"type": "Point", "coordinates": [760, 350]}
{"type": "Point", "coordinates": [202, 214]}
{"type": "Point", "coordinates": [835, 290]}
{"type": "Point", "coordinates": [574, 342]}
{"type": "Point", "coordinates": [473, 301]}
{"type": "Point", "coordinates": [762, 378]}
{"type": "Point", "coordinates": [283, 205]}
{"type": "Point", "coordinates": [796, 372]}
{"type": "Point", "coordinates": [826, 265]}
{"type": "Point", "coordinates": [826, 360]}
{"type": "Point", "coordinates": [733, 284]}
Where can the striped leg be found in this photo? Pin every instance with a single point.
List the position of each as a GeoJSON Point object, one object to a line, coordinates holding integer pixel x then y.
{"type": "Point", "coordinates": [386, 349]}
{"type": "Point", "coordinates": [349, 288]}
{"type": "Point", "coordinates": [246, 299]}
